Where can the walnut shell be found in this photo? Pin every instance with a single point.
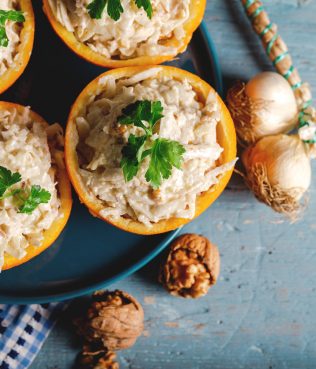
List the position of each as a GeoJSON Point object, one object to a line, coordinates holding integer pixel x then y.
{"type": "Point", "coordinates": [113, 318]}
{"type": "Point", "coordinates": [192, 266]}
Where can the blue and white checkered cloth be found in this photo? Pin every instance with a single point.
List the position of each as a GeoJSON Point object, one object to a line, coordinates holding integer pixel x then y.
{"type": "Point", "coordinates": [23, 330]}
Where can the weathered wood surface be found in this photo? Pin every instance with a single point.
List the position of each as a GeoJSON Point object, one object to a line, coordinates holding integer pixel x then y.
{"type": "Point", "coordinates": [262, 312]}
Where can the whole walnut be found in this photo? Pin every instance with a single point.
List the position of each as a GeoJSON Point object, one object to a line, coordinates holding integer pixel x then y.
{"type": "Point", "coordinates": [114, 319]}
{"type": "Point", "coordinates": [192, 266]}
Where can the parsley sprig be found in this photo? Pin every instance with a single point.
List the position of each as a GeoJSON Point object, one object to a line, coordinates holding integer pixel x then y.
{"type": "Point", "coordinates": [114, 8]}
{"type": "Point", "coordinates": [164, 154]}
{"type": "Point", "coordinates": [5, 15]}
{"type": "Point", "coordinates": [27, 199]}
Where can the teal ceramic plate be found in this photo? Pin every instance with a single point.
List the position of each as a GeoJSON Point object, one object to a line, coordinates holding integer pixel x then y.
{"type": "Point", "coordinates": [89, 254]}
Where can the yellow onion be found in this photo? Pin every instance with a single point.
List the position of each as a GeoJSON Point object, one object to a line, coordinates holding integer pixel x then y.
{"type": "Point", "coordinates": [264, 106]}
{"type": "Point", "coordinates": [278, 171]}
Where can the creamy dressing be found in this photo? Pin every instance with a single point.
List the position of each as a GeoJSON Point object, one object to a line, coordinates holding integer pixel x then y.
{"type": "Point", "coordinates": [185, 120]}
{"type": "Point", "coordinates": [9, 55]}
{"type": "Point", "coordinates": [24, 149]}
{"type": "Point", "coordinates": [134, 34]}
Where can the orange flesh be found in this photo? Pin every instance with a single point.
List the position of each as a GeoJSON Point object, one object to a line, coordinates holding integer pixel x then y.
{"type": "Point", "coordinates": [226, 137]}
{"type": "Point", "coordinates": [25, 48]}
{"type": "Point", "coordinates": [197, 8]}
{"type": "Point", "coordinates": [64, 191]}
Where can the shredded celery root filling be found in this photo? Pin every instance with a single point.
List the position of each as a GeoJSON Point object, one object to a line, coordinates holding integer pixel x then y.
{"type": "Point", "coordinates": [24, 149]}
{"type": "Point", "coordinates": [133, 35]}
{"type": "Point", "coordinates": [185, 120]}
{"type": "Point", "coordinates": [10, 53]}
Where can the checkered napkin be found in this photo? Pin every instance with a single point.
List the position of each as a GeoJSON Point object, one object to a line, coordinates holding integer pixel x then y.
{"type": "Point", "coordinates": [23, 330]}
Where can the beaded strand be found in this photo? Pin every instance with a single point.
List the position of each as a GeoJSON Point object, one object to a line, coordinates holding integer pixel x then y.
{"type": "Point", "coordinates": [290, 74]}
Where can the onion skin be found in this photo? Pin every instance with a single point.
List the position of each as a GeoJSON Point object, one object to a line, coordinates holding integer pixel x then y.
{"type": "Point", "coordinates": [197, 8]}
{"type": "Point", "coordinates": [64, 191]}
{"type": "Point", "coordinates": [225, 133]}
{"type": "Point", "coordinates": [278, 171]}
{"type": "Point", "coordinates": [281, 110]}
{"type": "Point", "coordinates": [264, 106]}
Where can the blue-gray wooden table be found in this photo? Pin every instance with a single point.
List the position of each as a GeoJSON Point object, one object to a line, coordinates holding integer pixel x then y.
{"type": "Point", "coordinates": [262, 312]}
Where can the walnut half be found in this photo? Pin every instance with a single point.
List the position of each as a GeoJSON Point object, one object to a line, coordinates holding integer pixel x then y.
{"type": "Point", "coordinates": [192, 266]}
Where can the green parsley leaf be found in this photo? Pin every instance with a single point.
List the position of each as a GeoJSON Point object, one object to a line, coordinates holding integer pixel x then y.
{"type": "Point", "coordinates": [132, 156]}
{"type": "Point", "coordinates": [114, 8]}
{"type": "Point", "coordinates": [35, 197]}
{"type": "Point", "coordinates": [7, 179]}
{"type": "Point", "coordinates": [142, 111]}
{"type": "Point", "coordinates": [146, 5]}
{"type": "Point", "coordinates": [165, 154]}
{"type": "Point", "coordinates": [12, 15]}
{"type": "Point", "coordinates": [96, 8]}
{"type": "Point", "coordinates": [4, 41]}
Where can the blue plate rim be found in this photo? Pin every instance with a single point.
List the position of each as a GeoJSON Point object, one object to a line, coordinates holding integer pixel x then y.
{"type": "Point", "coordinates": [81, 291]}
{"type": "Point", "coordinates": [211, 49]}
{"type": "Point", "coordinates": [218, 84]}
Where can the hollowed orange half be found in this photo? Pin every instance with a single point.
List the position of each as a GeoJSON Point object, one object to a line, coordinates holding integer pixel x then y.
{"type": "Point", "coordinates": [226, 137]}
{"type": "Point", "coordinates": [197, 8]}
{"type": "Point", "coordinates": [25, 47]}
{"type": "Point", "coordinates": [64, 193]}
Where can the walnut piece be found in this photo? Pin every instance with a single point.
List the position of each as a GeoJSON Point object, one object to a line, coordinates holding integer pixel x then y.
{"type": "Point", "coordinates": [95, 357]}
{"type": "Point", "coordinates": [192, 266]}
{"type": "Point", "coordinates": [114, 319]}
